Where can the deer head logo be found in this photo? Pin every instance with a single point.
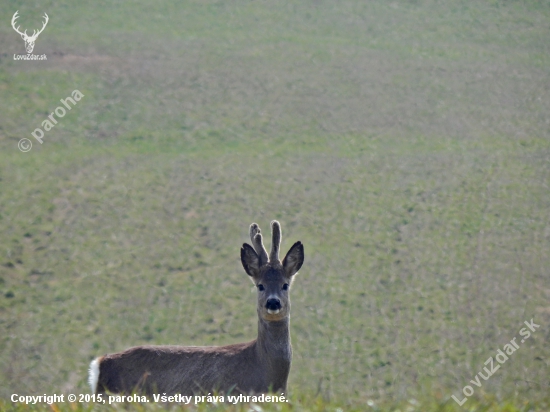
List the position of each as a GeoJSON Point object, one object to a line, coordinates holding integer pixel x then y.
{"type": "Point", "coordinates": [29, 40]}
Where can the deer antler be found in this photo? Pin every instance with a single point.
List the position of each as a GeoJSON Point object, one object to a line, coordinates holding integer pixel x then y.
{"type": "Point", "coordinates": [34, 33]}
{"type": "Point", "coordinates": [276, 241]}
{"type": "Point", "coordinates": [14, 18]}
{"type": "Point", "coordinates": [34, 36]}
{"type": "Point", "coordinates": [257, 243]}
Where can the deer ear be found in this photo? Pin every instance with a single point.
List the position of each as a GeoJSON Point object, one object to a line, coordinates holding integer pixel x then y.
{"type": "Point", "coordinates": [250, 260]}
{"type": "Point", "coordinates": [294, 259]}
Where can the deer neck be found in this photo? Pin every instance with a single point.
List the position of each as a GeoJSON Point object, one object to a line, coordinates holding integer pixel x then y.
{"type": "Point", "coordinates": [274, 349]}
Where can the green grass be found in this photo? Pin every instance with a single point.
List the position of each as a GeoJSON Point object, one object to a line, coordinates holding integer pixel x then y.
{"type": "Point", "coordinates": [405, 143]}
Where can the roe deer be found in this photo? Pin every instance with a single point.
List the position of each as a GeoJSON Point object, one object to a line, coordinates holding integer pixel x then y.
{"type": "Point", "coordinates": [259, 366]}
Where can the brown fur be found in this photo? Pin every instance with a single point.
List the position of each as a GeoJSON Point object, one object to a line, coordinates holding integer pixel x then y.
{"type": "Point", "coordinates": [259, 366]}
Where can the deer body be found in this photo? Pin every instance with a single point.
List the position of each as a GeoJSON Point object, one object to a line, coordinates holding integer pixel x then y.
{"type": "Point", "coordinates": [259, 366]}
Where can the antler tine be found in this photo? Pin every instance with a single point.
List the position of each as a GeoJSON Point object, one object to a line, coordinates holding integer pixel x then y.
{"type": "Point", "coordinates": [35, 33]}
{"type": "Point", "coordinates": [276, 241]}
{"type": "Point", "coordinates": [15, 17]}
{"type": "Point", "coordinates": [13, 22]}
{"type": "Point", "coordinates": [257, 243]}
{"type": "Point", "coordinates": [47, 19]}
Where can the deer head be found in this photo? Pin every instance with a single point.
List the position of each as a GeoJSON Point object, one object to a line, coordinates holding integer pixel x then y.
{"type": "Point", "coordinates": [29, 40]}
{"type": "Point", "coordinates": [271, 276]}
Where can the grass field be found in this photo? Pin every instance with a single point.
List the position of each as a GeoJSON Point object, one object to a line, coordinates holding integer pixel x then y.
{"type": "Point", "coordinates": [405, 143]}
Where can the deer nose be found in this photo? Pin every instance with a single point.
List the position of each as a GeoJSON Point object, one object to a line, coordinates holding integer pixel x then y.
{"type": "Point", "coordinates": [273, 304]}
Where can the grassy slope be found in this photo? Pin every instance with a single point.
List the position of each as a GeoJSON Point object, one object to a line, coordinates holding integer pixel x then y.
{"type": "Point", "coordinates": [405, 144]}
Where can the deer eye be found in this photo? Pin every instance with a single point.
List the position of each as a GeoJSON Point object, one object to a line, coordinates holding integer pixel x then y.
{"type": "Point", "coordinates": [261, 288]}
{"type": "Point", "coordinates": [285, 286]}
